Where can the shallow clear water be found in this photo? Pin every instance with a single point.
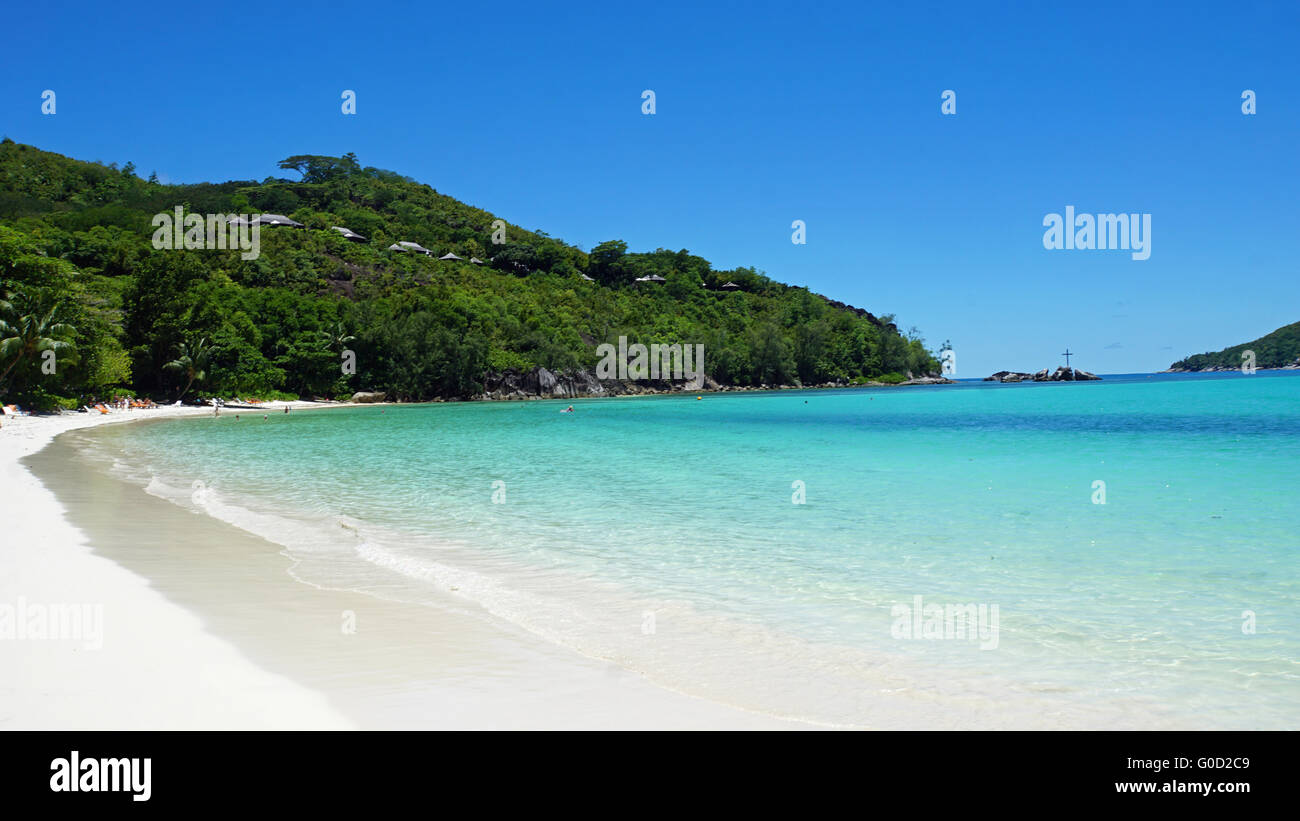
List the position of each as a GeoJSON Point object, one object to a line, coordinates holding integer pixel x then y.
{"type": "Point", "coordinates": [661, 533]}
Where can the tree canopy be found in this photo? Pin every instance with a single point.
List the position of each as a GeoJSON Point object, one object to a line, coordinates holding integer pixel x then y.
{"type": "Point", "coordinates": [76, 235]}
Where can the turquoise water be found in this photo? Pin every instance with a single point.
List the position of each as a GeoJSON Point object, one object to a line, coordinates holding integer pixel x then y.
{"type": "Point", "coordinates": [661, 533]}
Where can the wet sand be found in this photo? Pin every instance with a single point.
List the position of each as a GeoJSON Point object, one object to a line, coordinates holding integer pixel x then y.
{"type": "Point", "coordinates": [331, 658]}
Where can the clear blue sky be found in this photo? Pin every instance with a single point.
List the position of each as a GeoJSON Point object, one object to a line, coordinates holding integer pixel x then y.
{"type": "Point", "coordinates": [766, 113]}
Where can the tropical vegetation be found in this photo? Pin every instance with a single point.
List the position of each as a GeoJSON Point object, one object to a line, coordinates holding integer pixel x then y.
{"type": "Point", "coordinates": [81, 279]}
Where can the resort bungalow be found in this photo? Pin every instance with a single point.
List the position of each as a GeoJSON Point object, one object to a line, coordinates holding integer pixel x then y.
{"type": "Point", "coordinates": [589, 279]}
{"type": "Point", "coordinates": [476, 260]}
{"type": "Point", "coordinates": [349, 234]}
{"type": "Point", "coordinates": [277, 219]}
{"type": "Point", "coordinates": [730, 286]}
{"type": "Point", "coordinates": [655, 278]}
{"type": "Point", "coordinates": [452, 256]}
{"type": "Point", "coordinates": [413, 247]}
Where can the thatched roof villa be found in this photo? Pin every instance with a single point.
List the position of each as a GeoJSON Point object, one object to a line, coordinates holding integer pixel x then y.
{"type": "Point", "coordinates": [349, 234]}
{"type": "Point", "coordinates": [277, 219]}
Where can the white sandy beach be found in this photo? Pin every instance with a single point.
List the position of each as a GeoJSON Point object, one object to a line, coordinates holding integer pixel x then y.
{"type": "Point", "coordinates": [225, 638]}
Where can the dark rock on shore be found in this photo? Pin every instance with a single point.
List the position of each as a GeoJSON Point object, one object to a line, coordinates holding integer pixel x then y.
{"type": "Point", "coordinates": [929, 379]}
{"type": "Point", "coordinates": [540, 383]}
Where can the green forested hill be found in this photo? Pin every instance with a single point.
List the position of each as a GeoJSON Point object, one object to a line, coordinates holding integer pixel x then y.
{"type": "Point", "coordinates": [77, 266]}
{"type": "Point", "coordinates": [1276, 350]}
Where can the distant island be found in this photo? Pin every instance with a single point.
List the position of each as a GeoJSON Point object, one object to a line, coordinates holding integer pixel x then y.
{"type": "Point", "coordinates": [1280, 349]}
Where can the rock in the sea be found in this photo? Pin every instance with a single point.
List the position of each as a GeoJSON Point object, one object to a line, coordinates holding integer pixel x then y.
{"type": "Point", "coordinates": [1009, 376]}
{"type": "Point", "coordinates": [363, 396]}
{"type": "Point", "coordinates": [930, 379]}
{"type": "Point", "coordinates": [1061, 374]}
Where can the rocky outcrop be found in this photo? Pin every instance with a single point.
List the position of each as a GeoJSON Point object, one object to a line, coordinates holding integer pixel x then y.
{"type": "Point", "coordinates": [1061, 374]}
{"type": "Point", "coordinates": [541, 383]}
{"type": "Point", "coordinates": [929, 379]}
{"type": "Point", "coordinates": [1073, 375]}
{"type": "Point", "coordinates": [1010, 376]}
{"type": "Point", "coordinates": [366, 397]}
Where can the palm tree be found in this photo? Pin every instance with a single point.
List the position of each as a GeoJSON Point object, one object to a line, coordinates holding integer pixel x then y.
{"type": "Point", "coordinates": [335, 338]}
{"type": "Point", "coordinates": [191, 360]}
{"type": "Point", "coordinates": [26, 335]}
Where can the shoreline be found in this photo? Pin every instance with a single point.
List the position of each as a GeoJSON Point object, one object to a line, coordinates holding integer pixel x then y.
{"type": "Point", "coordinates": [213, 632]}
